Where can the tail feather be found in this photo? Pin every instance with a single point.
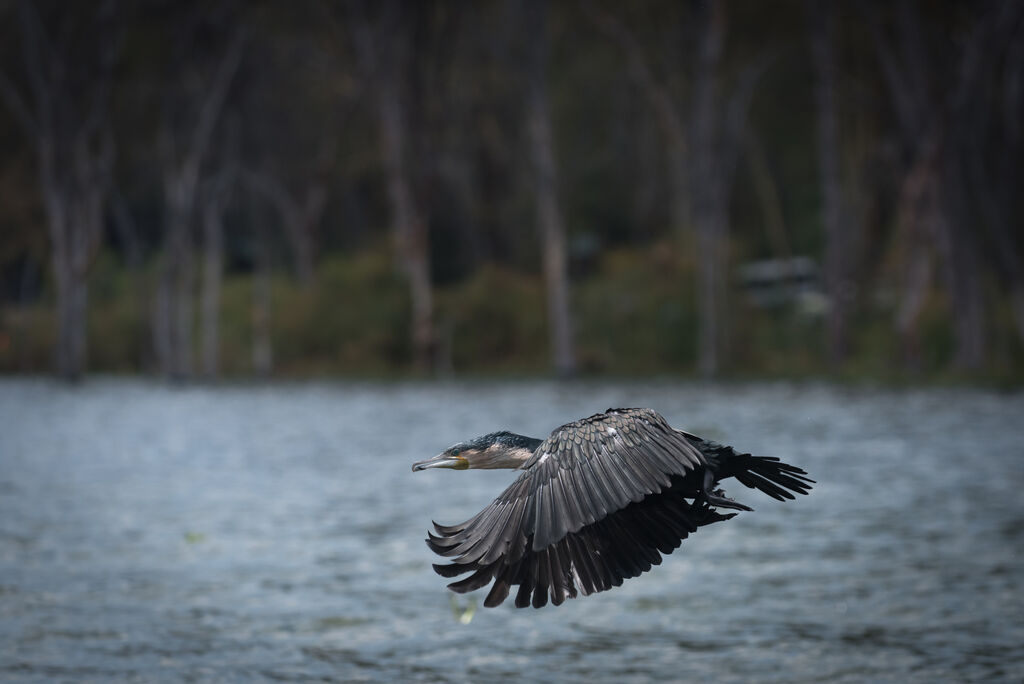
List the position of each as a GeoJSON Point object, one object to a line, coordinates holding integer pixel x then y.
{"type": "Point", "coordinates": [773, 477]}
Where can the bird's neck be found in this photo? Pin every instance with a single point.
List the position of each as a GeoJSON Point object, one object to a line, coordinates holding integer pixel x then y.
{"type": "Point", "coordinates": [512, 452]}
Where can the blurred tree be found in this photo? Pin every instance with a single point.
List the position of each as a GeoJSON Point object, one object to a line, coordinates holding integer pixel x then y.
{"type": "Point", "coordinates": [129, 237]}
{"type": "Point", "coordinates": [716, 131]}
{"type": "Point", "coordinates": [297, 80]}
{"type": "Point", "coordinates": [662, 102]}
{"type": "Point", "coordinates": [194, 97]}
{"type": "Point", "coordinates": [214, 195]}
{"type": "Point", "coordinates": [935, 208]}
{"type": "Point", "coordinates": [702, 152]}
{"type": "Point", "coordinates": [453, 125]}
{"type": "Point", "coordinates": [262, 340]}
{"type": "Point", "coordinates": [385, 42]}
{"type": "Point", "coordinates": [993, 150]}
{"type": "Point", "coordinates": [300, 212]}
{"type": "Point", "coordinates": [68, 62]}
{"type": "Point", "coordinates": [836, 220]}
{"type": "Point", "coordinates": [549, 213]}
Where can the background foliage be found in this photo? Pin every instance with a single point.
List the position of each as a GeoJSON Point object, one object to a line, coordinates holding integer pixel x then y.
{"type": "Point", "coordinates": [301, 116]}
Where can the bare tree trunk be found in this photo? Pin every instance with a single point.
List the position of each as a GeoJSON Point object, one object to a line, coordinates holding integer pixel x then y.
{"type": "Point", "coordinates": [408, 226]}
{"type": "Point", "coordinates": [917, 208]}
{"type": "Point", "coordinates": [918, 213]}
{"type": "Point", "coordinates": [838, 250]}
{"type": "Point", "coordinates": [84, 244]}
{"type": "Point", "coordinates": [128, 236]}
{"type": "Point", "coordinates": [708, 196]}
{"type": "Point", "coordinates": [183, 298]}
{"type": "Point", "coordinates": [1013, 114]}
{"type": "Point", "coordinates": [173, 307]}
{"type": "Point", "coordinates": [262, 346]}
{"type": "Point", "coordinates": [710, 286]}
{"type": "Point", "coordinates": [768, 195]}
{"type": "Point", "coordinates": [63, 275]}
{"type": "Point", "coordinates": [27, 281]}
{"type": "Point", "coordinates": [383, 54]}
{"type": "Point", "coordinates": [74, 152]}
{"type": "Point", "coordinates": [996, 198]}
{"type": "Point", "coordinates": [1017, 306]}
{"type": "Point", "coordinates": [170, 311]}
{"type": "Point", "coordinates": [161, 320]}
{"type": "Point", "coordinates": [213, 270]}
{"type": "Point", "coordinates": [699, 185]}
{"type": "Point", "coordinates": [549, 215]}
{"type": "Point", "coordinates": [77, 331]}
{"type": "Point", "coordinates": [301, 228]}
{"type": "Point", "coordinates": [917, 280]}
{"type": "Point", "coordinates": [72, 305]}
{"type": "Point", "coordinates": [963, 274]}
{"type": "Point", "coordinates": [717, 131]}
{"type": "Point", "coordinates": [680, 209]}
{"type": "Point", "coordinates": [931, 123]}
{"type": "Point", "coordinates": [299, 217]}
{"type": "Point", "coordinates": [183, 153]}
{"type": "Point", "coordinates": [994, 38]}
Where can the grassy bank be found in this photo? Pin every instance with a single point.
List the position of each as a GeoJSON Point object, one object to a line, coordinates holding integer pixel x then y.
{"type": "Point", "coordinates": [634, 314]}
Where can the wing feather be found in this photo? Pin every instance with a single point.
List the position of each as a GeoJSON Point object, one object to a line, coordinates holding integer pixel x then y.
{"type": "Point", "coordinates": [542, 577]}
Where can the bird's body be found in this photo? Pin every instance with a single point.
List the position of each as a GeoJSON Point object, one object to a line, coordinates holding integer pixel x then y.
{"type": "Point", "coordinates": [597, 502]}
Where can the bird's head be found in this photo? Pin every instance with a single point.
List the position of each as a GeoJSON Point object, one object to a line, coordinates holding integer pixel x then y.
{"type": "Point", "coordinates": [495, 450]}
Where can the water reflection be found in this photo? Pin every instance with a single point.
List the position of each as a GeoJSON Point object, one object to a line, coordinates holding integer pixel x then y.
{"type": "Point", "coordinates": [275, 532]}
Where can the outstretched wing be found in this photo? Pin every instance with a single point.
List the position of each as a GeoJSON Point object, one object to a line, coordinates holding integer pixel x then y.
{"type": "Point", "coordinates": [593, 505]}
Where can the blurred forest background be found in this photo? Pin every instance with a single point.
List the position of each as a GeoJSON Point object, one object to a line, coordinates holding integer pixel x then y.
{"type": "Point", "coordinates": [203, 189]}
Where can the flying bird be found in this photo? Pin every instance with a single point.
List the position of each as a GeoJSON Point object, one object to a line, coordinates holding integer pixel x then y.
{"type": "Point", "coordinates": [596, 503]}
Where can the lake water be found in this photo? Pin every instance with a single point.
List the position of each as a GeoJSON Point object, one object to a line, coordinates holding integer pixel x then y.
{"type": "Point", "coordinates": [275, 532]}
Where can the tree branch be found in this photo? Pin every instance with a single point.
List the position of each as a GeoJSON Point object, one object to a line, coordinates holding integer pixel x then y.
{"type": "Point", "coordinates": [16, 104]}
{"type": "Point", "coordinates": [1013, 86]}
{"type": "Point", "coordinates": [271, 188]}
{"type": "Point", "coordinates": [657, 93]}
{"type": "Point", "coordinates": [898, 81]}
{"type": "Point", "coordinates": [216, 96]}
{"type": "Point", "coordinates": [736, 112]}
{"type": "Point", "coordinates": [110, 35]}
{"type": "Point", "coordinates": [33, 43]}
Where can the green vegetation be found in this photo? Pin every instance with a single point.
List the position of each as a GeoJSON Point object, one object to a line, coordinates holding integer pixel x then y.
{"type": "Point", "coordinates": [633, 315]}
{"type": "Point", "coordinates": [404, 188]}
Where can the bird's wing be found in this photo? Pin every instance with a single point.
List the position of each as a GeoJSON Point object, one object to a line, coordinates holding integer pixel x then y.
{"type": "Point", "coordinates": [574, 507]}
{"type": "Point", "coordinates": [595, 466]}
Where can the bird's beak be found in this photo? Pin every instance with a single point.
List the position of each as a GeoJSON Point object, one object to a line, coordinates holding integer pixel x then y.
{"type": "Point", "coordinates": [442, 461]}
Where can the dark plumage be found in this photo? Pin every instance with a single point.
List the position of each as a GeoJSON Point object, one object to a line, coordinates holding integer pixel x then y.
{"type": "Point", "coordinates": [597, 502]}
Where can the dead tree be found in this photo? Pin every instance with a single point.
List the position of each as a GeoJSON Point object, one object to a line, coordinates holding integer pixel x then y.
{"type": "Point", "coordinates": [260, 304]}
{"type": "Point", "coordinates": [549, 214]}
{"type": "Point", "coordinates": [300, 212]}
{"type": "Point", "coordinates": [703, 144]}
{"type": "Point", "coordinates": [994, 167]}
{"type": "Point", "coordinates": [183, 145]}
{"type": "Point", "coordinates": [839, 242]}
{"type": "Point", "coordinates": [66, 116]}
{"type": "Point", "coordinates": [383, 40]}
{"type": "Point", "coordinates": [932, 118]}
{"type": "Point", "coordinates": [128, 235]}
{"type": "Point", "coordinates": [213, 199]}
{"type": "Point", "coordinates": [667, 112]}
{"type": "Point", "coordinates": [716, 131]}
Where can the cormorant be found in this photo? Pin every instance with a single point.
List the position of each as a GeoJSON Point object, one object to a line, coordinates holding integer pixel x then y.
{"type": "Point", "coordinates": [597, 502]}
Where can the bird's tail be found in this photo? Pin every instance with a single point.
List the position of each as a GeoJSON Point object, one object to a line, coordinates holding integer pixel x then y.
{"type": "Point", "coordinates": [766, 473]}
{"type": "Point", "coordinates": [770, 475]}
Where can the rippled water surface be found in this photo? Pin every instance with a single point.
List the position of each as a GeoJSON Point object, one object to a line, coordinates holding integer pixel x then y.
{"type": "Point", "coordinates": [276, 532]}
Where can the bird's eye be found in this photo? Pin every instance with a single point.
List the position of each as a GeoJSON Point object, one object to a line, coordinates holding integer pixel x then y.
{"type": "Point", "coordinates": [455, 452]}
